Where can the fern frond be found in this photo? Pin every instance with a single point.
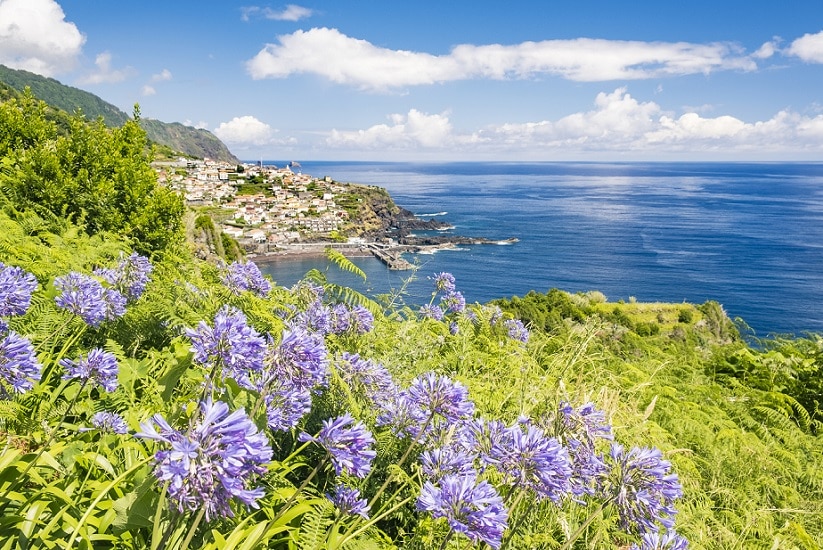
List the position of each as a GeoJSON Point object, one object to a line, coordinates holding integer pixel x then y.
{"type": "Point", "coordinates": [342, 262]}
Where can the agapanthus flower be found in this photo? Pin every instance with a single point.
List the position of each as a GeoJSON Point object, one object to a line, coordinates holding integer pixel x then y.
{"type": "Point", "coordinates": [439, 396]}
{"type": "Point", "coordinates": [106, 421]}
{"type": "Point", "coordinates": [231, 345]}
{"type": "Point", "coordinates": [454, 328]}
{"type": "Point", "coordinates": [4, 327]}
{"type": "Point", "coordinates": [245, 276]}
{"type": "Point", "coordinates": [19, 367]}
{"type": "Point", "coordinates": [97, 367]}
{"type": "Point", "coordinates": [488, 438]}
{"type": "Point", "coordinates": [215, 460]}
{"type": "Point", "coordinates": [432, 311]}
{"type": "Point", "coordinates": [361, 320]}
{"type": "Point", "coordinates": [300, 357]}
{"type": "Point", "coordinates": [531, 460]}
{"type": "Point", "coordinates": [348, 502]}
{"type": "Point", "coordinates": [115, 304]}
{"type": "Point", "coordinates": [517, 330]}
{"type": "Point", "coordinates": [579, 430]}
{"type": "Point", "coordinates": [470, 507]}
{"type": "Point", "coordinates": [443, 282]}
{"type": "Point", "coordinates": [642, 487]}
{"type": "Point", "coordinates": [83, 296]}
{"type": "Point", "coordinates": [443, 461]}
{"type": "Point", "coordinates": [348, 443]}
{"type": "Point", "coordinates": [130, 277]}
{"type": "Point", "coordinates": [317, 317]}
{"type": "Point", "coordinates": [373, 377]}
{"type": "Point", "coordinates": [397, 411]}
{"type": "Point", "coordinates": [340, 319]}
{"type": "Point", "coordinates": [16, 288]}
{"type": "Point", "coordinates": [453, 302]}
{"type": "Point", "coordinates": [286, 404]}
{"type": "Point", "coordinates": [669, 540]}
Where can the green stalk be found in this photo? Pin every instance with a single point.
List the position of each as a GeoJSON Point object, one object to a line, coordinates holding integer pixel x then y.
{"type": "Point", "coordinates": [568, 544]}
{"type": "Point", "coordinates": [193, 528]}
{"type": "Point", "coordinates": [103, 493]}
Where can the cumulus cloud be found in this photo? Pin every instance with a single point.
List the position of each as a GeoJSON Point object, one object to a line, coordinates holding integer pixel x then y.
{"type": "Point", "coordinates": [162, 76]}
{"type": "Point", "coordinates": [291, 12]}
{"type": "Point", "coordinates": [617, 125]}
{"type": "Point", "coordinates": [148, 90]}
{"type": "Point", "coordinates": [105, 73]}
{"type": "Point", "coordinates": [808, 47]}
{"type": "Point", "coordinates": [413, 130]}
{"type": "Point", "coordinates": [333, 55]}
{"type": "Point", "coordinates": [202, 125]}
{"type": "Point", "coordinates": [244, 131]}
{"type": "Point", "coordinates": [35, 36]}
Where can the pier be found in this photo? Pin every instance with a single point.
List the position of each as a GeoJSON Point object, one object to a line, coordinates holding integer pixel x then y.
{"type": "Point", "coordinates": [393, 260]}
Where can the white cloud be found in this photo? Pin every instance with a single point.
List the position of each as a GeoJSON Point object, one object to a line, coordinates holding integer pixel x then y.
{"type": "Point", "coordinates": [162, 76]}
{"type": "Point", "coordinates": [105, 74]}
{"type": "Point", "coordinates": [245, 130]}
{"type": "Point", "coordinates": [618, 125]}
{"type": "Point", "coordinates": [35, 36]}
{"type": "Point", "coordinates": [331, 54]}
{"type": "Point", "coordinates": [291, 12]}
{"type": "Point", "coordinates": [808, 47]}
{"type": "Point", "coordinates": [767, 50]}
{"type": "Point", "coordinates": [148, 90]}
{"type": "Point", "coordinates": [413, 130]}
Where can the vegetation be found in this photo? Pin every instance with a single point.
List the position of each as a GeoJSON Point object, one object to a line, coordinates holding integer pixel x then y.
{"type": "Point", "coordinates": [173, 138]}
{"type": "Point", "coordinates": [180, 403]}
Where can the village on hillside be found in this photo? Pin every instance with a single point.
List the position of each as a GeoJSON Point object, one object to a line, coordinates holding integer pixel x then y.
{"type": "Point", "coordinates": [273, 210]}
{"type": "Point", "coordinates": [262, 204]}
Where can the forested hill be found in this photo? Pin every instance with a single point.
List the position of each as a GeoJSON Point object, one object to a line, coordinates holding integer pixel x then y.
{"type": "Point", "coordinates": [193, 142]}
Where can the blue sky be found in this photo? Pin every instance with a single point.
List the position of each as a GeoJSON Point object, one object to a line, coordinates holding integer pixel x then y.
{"type": "Point", "coordinates": [448, 80]}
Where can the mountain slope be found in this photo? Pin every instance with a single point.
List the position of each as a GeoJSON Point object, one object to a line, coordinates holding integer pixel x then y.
{"type": "Point", "coordinates": [190, 141]}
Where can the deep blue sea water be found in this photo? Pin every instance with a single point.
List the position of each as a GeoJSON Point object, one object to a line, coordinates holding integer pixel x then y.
{"type": "Point", "coordinates": [748, 235]}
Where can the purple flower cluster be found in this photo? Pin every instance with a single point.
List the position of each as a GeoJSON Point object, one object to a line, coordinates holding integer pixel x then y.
{"type": "Point", "coordinates": [338, 319]}
{"type": "Point", "coordinates": [87, 298]}
{"type": "Point", "coordinates": [286, 404]}
{"type": "Point", "coordinates": [531, 460]}
{"type": "Point", "coordinates": [245, 276]}
{"type": "Point", "coordinates": [440, 462]}
{"type": "Point", "coordinates": [453, 302]}
{"type": "Point", "coordinates": [517, 330]}
{"type": "Point", "coordinates": [669, 540]}
{"type": "Point", "coordinates": [643, 488]}
{"type": "Point", "coordinates": [96, 367]}
{"type": "Point", "coordinates": [19, 367]}
{"type": "Point", "coordinates": [212, 462]}
{"type": "Point", "coordinates": [443, 282]}
{"type": "Point", "coordinates": [16, 288]}
{"type": "Point", "coordinates": [580, 430]}
{"type": "Point", "coordinates": [348, 502]}
{"type": "Point", "coordinates": [230, 345]}
{"type": "Point", "coordinates": [130, 277]}
{"type": "Point", "coordinates": [372, 377]}
{"type": "Point", "coordinates": [348, 443]}
{"type": "Point", "coordinates": [430, 401]}
{"type": "Point", "coordinates": [301, 358]}
{"type": "Point", "coordinates": [431, 311]}
{"type": "Point", "coordinates": [109, 422]}
{"type": "Point", "coordinates": [470, 507]}
{"type": "Point", "coordinates": [439, 396]}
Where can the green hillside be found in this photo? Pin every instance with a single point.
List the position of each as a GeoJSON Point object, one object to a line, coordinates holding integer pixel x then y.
{"type": "Point", "coordinates": [192, 142]}
{"type": "Point", "coordinates": [154, 400]}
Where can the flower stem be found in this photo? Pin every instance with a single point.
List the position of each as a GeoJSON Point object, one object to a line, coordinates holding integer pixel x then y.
{"type": "Point", "coordinates": [193, 528]}
{"type": "Point", "coordinates": [568, 544]}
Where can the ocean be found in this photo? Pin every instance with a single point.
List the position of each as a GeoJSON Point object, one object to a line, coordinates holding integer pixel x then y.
{"type": "Point", "coordinates": [747, 235]}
